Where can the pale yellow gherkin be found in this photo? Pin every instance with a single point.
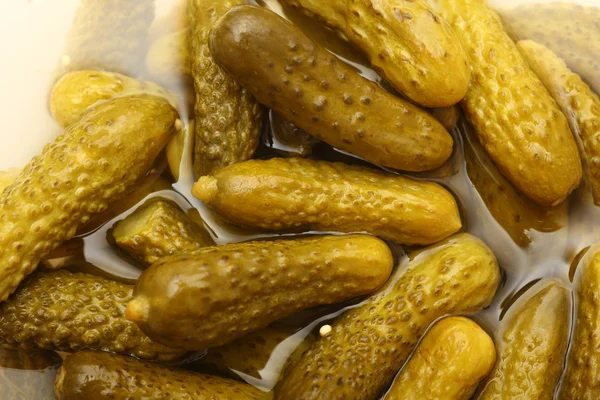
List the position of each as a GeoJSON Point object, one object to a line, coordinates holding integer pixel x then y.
{"type": "Point", "coordinates": [532, 345]}
{"type": "Point", "coordinates": [577, 101]}
{"type": "Point", "coordinates": [369, 343]}
{"type": "Point", "coordinates": [80, 174]}
{"type": "Point", "coordinates": [451, 360]}
{"type": "Point", "coordinates": [228, 119]}
{"type": "Point", "coordinates": [515, 118]}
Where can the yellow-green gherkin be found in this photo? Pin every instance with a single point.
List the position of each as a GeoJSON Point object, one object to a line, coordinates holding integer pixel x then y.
{"type": "Point", "coordinates": [228, 119]}
{"type": "Point", "coordinates": [217, 294]}
{"type": "Point", "coordinates": [369, 343]}
{"type": "Point", "coordinates": [159, 229]}
{"type": "Point", "coordinates": [89, 375]}
{"type": "Point", "coordinates": [514, 117]}
{"type": "Point", "coordinates": [92, 164]}
{"type": "Point", "coordinates": [299, 193]}
{"type": "Point", "coordinates": [532, 345]}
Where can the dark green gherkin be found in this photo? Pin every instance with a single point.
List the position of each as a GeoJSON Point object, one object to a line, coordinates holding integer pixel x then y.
{"type": "Point", "coordinates": [68, 311]}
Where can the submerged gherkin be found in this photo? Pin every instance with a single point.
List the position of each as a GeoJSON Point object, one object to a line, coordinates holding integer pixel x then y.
{"type": "Point", "coordinates": [89, 375]}
{"type": "Point", "coordinates": [68, 311]}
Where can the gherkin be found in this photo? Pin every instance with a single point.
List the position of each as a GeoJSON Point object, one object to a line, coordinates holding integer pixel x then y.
{"type": "Point", "coordinates": [214, 295]}
{"type": "Point", "coordinates": [89, 375]}
{"type": "Point", "coordinates": [532, 344]}
{"type": "Point", "coordinates": [67, 311]}
{"type": "Point", "coordinates": [228, 119]}
{"type": "Point", "coordinates": [92, 165]}
{"type": "Point", "coordinates": [368, 344]}
{"type": "Point", "coordinates": [158, 229]}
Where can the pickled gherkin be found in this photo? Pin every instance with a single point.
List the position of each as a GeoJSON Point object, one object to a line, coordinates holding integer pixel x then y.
{"type": "Point", "coordinates": [368, 344]}
{"type": "Point", "coordinates": [514, 117]}
{"type": "Point", "coordinates": [217, 294]}
{"type": "Point", "coordinates": [77, 91]}
{"type": "Point", "coordinates": [158, 229]}
{"type": "Point", "coordinates": [532, 345]}
{"type": "Point", "coordinates": [406, 42]}
{"type": "Point", "coordinates": [319, 93]}
{"type": "Point", "coordinates": [451, 360]}
{"type": "Point", "coordinates": [78, 175]}
{"type": "Point", "coordinates": [576, 100]}
{"type": "Point", "coordinates": [299, 193]}
{"type": "Point", "coordinates": [228, 118]}
{"type": "Point", "coordinates": [110, 35]}
{"type": "Point", "coordinates": [89, 375]}
{"type": "Point", "coordinates": [66, 311]}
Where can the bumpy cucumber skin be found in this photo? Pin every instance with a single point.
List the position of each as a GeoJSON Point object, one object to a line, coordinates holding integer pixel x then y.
{"type": "Point", "coordinates": [228, 118]}
{"type": "Point", "coordinates": [532, 347]}
{"type": "Point", "coordinates": [516, 215]}
{"type": "Point", "coordinates": [576, 99]}
{"type": "Point", "coordinates": [582, 381]}
{"type": "Point", "coordinates": [89, 375]}
{"type": "Point", "coordinates": [293, 193]}
{"type": "Point", "coordinates": [164, 231]}
{"type": "Point", "coordinates": [369, 344]}
{"type": "Point", "coordinates": [451, 360]}
{"type": "Point", "coordinates": [406, 42]}
{"type": "Point", "coordinates": [91, 165]}
{"type": "Point", "coordinates": [317, 92]}
{"type": "Point", "coordinates": [218, 294]}
{"type": "Point", "coordinates": [515, 118]}
{"type": "Point", "coordinates": [169, 59]}
{"type": "Point", "coordinates": [67, 311]}
{"type": "Point", "coordinates": [568, 29]}
{"type": "Point", "coordinates": [110, 35]}
{"type": "Point", "coordinates": [77, 91]}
